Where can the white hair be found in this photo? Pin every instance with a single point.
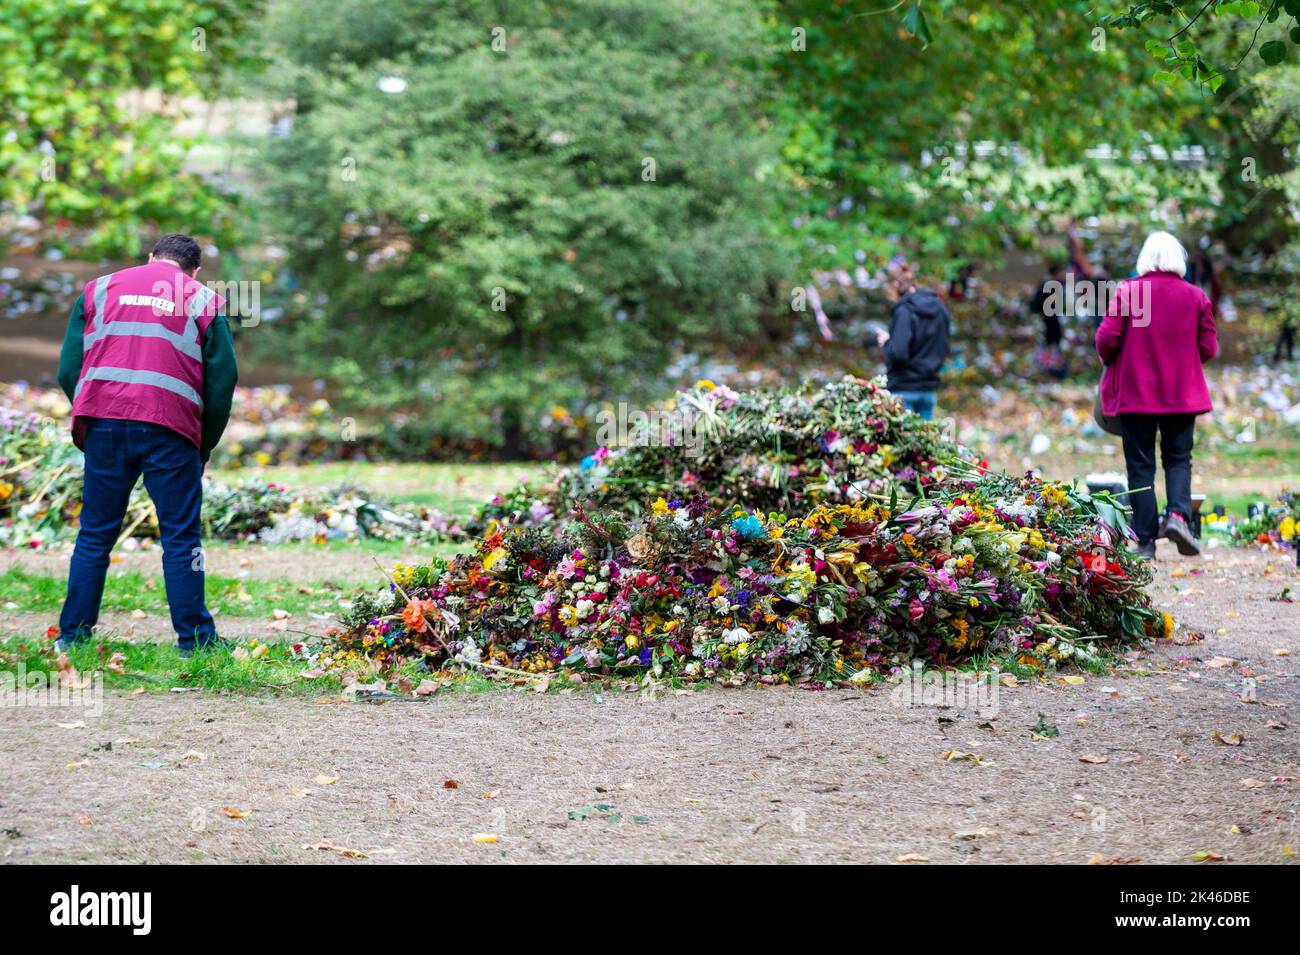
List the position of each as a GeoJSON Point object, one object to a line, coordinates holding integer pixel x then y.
{"type": "Point", "coordinates": [1162, 253]}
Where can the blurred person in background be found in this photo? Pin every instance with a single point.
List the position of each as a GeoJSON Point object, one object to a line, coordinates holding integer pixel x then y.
{"type": "Point", "coordinates": [1155, 338]}
{"type": "Point", "coordinates": [916, 345]}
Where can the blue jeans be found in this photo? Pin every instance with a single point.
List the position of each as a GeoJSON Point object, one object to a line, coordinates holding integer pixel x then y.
{"type": "Point", "coordinates": [117, 453]}
{"type": "Point", "coordinates": [921, 402]}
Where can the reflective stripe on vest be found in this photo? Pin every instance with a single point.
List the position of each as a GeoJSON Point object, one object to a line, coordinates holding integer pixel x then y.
{"type": "Point", "coordinates": [134, 376]}
{"type": "Point", "coordinates": [187, 342]}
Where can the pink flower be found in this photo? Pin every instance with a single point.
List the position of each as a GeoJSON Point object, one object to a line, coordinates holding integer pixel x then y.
{"type": "Point", "coordinates": [916, 610]}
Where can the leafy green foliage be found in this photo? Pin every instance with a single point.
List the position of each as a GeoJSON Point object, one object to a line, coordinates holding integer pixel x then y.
{"type": "Point", "coordinates": [81, 147]}
{"type": "Point", "coordinates": [1263, 21]}
{"type": "Point", "coordinates": [972, 138]}
{"type": "Point", "coordinates": [545, 202]}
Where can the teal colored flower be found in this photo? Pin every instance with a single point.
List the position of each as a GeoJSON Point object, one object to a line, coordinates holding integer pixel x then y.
{"type": "Point", "coordinates": [749, 527]}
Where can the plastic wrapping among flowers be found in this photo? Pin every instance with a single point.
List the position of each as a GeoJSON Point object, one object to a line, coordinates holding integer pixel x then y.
{"type": "Point", "coordinates": [770, 450]}
{"type": "Point", "coordinates": [983, 568]}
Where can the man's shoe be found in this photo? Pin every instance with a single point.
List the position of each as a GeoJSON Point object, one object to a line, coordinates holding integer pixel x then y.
{"type": "Point", "coordinates": [214, 645]}
{"type": "Point", "coordinates": [1176, 530]}
{"type": "Point", "coordinates": [64, 645]}
{"type": "Point", "coordinates": [1146, 550]}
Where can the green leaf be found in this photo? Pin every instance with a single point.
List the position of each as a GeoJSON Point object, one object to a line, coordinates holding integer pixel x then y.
{"type": "Point", "coordinates": [1273, 52]}
{"type": "Point", "coordinates": [914, 22]}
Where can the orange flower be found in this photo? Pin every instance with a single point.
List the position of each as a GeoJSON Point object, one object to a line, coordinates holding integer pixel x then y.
{"type": "Point", "coordinates": [414, 616]}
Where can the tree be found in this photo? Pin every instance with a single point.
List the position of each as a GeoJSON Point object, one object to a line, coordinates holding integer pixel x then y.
{"type": "Point", "coordinates": [951, 128]}
{"type": "Point", "coordinates": [79, 148]}
{"type": "Point", "coordinates": [495, 208]}
{"type": "Point", "coordinates": [1234, 49]}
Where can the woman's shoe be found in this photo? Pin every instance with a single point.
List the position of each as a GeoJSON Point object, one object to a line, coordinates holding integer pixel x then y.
{"type": "Point", "coordinates": [1176, 530]}
{"type": "Point", "coordinates": [1146, 550]}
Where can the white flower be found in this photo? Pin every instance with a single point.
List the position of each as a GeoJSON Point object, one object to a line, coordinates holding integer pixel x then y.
{"type": "Point", "coordinates": [583, 608]}
{"type": "Point", "coordinates": [721, 605]}
{"type": "Point", "coordinates": [469, 653]}
{"type": "Point", "coordinates": [825, 615]}
{"type": "Point", "coordinates": [735, 636]}
{"type": "Point", "coordinates": [797, 637]}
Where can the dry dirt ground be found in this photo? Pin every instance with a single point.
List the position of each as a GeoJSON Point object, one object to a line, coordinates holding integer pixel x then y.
{"type": "Point", "coordinates": [730, 776]}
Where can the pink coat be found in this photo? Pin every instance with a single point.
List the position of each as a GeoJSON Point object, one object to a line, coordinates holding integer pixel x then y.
{"type": "Point", "coordinates": [1158, 332]}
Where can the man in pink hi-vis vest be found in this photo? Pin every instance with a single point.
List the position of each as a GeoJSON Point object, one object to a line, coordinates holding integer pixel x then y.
{"type": "Point", "coordinates": [149, 364]}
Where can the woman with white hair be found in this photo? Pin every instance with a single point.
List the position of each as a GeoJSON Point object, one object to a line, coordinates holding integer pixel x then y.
{"type": "Point", "coordinates": [1157, 334]}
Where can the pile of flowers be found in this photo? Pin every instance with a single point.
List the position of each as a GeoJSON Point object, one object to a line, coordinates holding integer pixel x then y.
{"type": "Point", "coordinates": [981, 568]}
{"type": "Point", "coordinates": [1275, 525]}
{"type": "Point", "coordinates": [765, 450]}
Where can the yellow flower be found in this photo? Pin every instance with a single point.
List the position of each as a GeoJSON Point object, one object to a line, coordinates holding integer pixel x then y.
{"type": "Point", "coordinates": [1168, 626]}
{"type": "Point", "coordinates": [1287, 528]}
{"type": "Point", "coordinates": [632, 641]}
{"type": "Point", "coordinates": [493, 557]}
{"type": "Point", "coordinates": [705, 385]}
{"type": "Point", "coordinates": [660, 506]}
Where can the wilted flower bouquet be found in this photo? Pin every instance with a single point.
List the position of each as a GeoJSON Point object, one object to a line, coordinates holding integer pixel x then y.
{"type": "Point", "coordinates": [984, 568]}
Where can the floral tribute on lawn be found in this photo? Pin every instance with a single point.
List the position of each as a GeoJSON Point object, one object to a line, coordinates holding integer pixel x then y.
{"type": "Point", "coordinates": [859, 578]}
{"type": "Point", "coordinates": [1274, 525]}
{"type": "Point", "coordinates": [40, 500]}
{"type": "Point", "coordinates": [767, 450]}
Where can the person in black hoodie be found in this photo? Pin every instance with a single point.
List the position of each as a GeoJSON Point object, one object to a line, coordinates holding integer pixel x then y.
{"type": "Point", "coordinates": [916, 344]}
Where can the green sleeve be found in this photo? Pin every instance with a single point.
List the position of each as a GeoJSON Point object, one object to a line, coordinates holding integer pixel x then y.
{"type": "Point", "coordinates": [219, 377]}
{"type": "Point", "coordinates": [70, 354]}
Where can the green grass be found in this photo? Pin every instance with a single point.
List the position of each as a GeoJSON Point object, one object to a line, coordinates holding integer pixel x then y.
{"type": "Point", "coordinates": [160, 668]}
{"type": "Point", "coordinates": [133, 590]}
{"type": "Point", "coordinates": [450, 488]}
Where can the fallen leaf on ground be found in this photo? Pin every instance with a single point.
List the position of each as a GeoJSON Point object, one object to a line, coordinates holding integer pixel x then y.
{"type": "Point", "coordinates": [1232, 739]}
{"type": "Point", "coordinates": [911, 857]}
{"type": "Point", "coordinates": [194, 754]}
{"type": "Point", "coordinates": [485, 837]}
{"type": "Point", "coordinates": [324, 845]}
{"type": "Point", "coordinates": [86, 821]}
{"type": "Point", "coordinates": [490, 795]}
{"type": "Point", "coordinates": [1204, 855]}
{"type": "Point", "coordinates": [450, 784]}
{"type": "Point", "coordinates": [971, 835]}
{"type": "Point", "coordinates": [1098, 859]}
{"type": "Point", "coordinates": [72, 726]}
{"type": "Point", "coordinates": [323, 780]}
{"type": "Point", "coordinates": [1253, 783]}
{"type": "Point", "coordinates": [1094, 759]}
{"type": "Point", "coordinates": [1221, 663]}
{"type": "Point", "coordinates": [233, 813]}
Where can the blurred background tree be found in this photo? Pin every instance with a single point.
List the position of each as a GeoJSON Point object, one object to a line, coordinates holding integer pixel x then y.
{"type": "Point", "coordinates": [501, 207]}
{"type": "Point", "coordinates": [90, 94]}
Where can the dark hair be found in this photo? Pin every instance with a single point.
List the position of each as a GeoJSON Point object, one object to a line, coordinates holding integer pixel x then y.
{"type": "Point", "coordinates": [181, 249]}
